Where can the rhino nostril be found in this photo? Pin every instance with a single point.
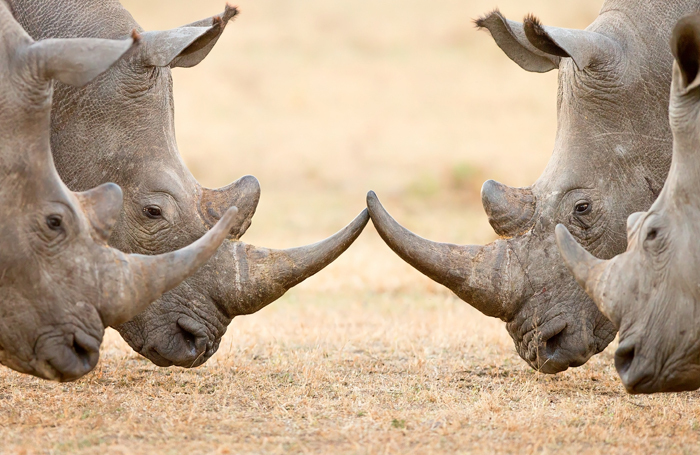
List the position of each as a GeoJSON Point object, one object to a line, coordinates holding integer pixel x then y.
{"type": "Point", "coordinates": [189, 338]}
{"type": "Point", "coordinates": [81, 352]}
{"type": "Point", "coordinates": [624, 356]}
{"type": "Point", "coordinates": [86, 349]}
{"type": "Point", "coordinates": [71, 357]}
{"type": "Point", "coordinates": [192, 340]}
{"type": "Point", "coordinates": [554, 343]}
{"type": "Point", "coordinates": [193, 336]}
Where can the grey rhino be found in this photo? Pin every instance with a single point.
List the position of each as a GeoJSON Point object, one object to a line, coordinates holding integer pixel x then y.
{"type": "Point", "coordinates": [611, 156]}
{"type": "Point", "coordinates": [120, 128]}
{"type": "Point", "coordinates": [652, 291]}
{"type": "Point", "coordinates": [60, 283]}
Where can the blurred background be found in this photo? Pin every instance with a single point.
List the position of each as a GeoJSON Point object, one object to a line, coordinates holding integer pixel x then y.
{"type": "Point", "coordinates": [324, 100]}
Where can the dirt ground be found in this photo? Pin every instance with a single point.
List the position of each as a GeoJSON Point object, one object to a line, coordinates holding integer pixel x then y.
{"type": "Point", "coordinates": [323, 101]}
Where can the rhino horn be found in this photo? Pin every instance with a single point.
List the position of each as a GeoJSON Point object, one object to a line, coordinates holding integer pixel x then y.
{"type": "Point", "coordinates": [146, 278]}
{"type": "Point", "coordinates": [582, 46]}
{"type": "Point", "coordinates": [244, 194]}
{"type": "Point", "coordinates": [586, 268]}
{"type": "Point", "coordinates": [263, 275]}
{"type": "Point", "coordinates": [510, 210]}
{"type": "Point", "coordinates": [479, 275]}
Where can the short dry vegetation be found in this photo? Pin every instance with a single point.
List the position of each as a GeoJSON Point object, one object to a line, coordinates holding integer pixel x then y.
{"type": "Point", "coordinates": [322, 101]}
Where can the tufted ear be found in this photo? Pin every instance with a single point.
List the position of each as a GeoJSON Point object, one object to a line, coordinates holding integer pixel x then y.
{"type": "Point", "coordinates": [583, 47]}
{"type": "Point", "coordinates": [76, 61]}
{"type": "Point", "coordinates": [510, 37]}
{"type": "Point", "coordinates": [685, 46]}
{"type": "Point", "coordinates": [539, 49]}
{"type": "Point", "coordinates": [186, 46]}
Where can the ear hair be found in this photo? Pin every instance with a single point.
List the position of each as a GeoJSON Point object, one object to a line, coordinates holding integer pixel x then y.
{"type": "Point", "coordinates": [77, 61]}
{"type": "Point", "coordinates": [186, 46]}
{"type": "Point", "coordinates": [685, 46]}
{"type": "Point", "coordinates": [538, 37]}
{"type": "Point", "coordinates": [583, 47]}
{"type": "Point", "coordinates": [511, 38]}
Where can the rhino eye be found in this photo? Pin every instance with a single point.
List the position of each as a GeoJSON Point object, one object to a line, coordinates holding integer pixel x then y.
{"type": "Point", "coordinates": [54, 222]}
{"type": "Point", "coordinates": [582, 208]}
{"type": "Point", "coordinates": [652, 233]}
{"type": "Point", "coordinates": [153, 212]}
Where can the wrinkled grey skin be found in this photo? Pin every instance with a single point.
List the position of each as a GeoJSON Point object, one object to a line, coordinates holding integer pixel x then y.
{"type": "Point", "coordinates": [652, 292]}
{"type": "Point", "coordinates": [120, 128]}
{"type": "Point", "coordinates": [611, 156]}
{"type": "Point", "coordinates": [60, 283]}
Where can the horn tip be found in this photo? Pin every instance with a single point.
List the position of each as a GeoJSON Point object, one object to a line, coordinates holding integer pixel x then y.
{"type": "Point", "coordinates": [230, 216]}
{"type": "Point", "coordinates": [373, 204]}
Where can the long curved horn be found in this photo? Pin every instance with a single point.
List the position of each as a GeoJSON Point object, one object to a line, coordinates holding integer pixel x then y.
{"type": "Point", "coordinates": [261, 275]}
{"type": "Point", "coordinates": [145, 278]}
{"type": "Point", "coordinates": [586, 268]}
{"type": "Point", "coordinates": [482, 276]}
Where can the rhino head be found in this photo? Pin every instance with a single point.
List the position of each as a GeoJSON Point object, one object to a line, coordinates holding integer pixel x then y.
{"type": "Point", "coordinates": [611, 155]}
{"type": "Point", "coordinates": [651, 292]}
{"type": "Point", "coordinates": [60, 283]}
{"type": "Point", "coordinates": [120, 128]}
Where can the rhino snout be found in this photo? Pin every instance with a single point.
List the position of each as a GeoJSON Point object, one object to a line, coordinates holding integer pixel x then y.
{"type": "Point", "coordinates": [172, 339]}
{"type": "Point", "coordinates": [67, 355]}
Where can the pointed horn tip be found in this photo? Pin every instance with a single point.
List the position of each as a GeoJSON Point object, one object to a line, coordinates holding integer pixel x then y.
{"type": "Point", "coordinates": [488, 187]}
{"type": "Point", "coordinates": [251, 182]}
{"type": "Point", "coordinates": [373, 203]}
{"type": "Point", "coordinates": [229, 218]}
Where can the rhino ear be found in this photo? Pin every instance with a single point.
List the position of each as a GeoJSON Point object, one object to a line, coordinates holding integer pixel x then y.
{"type": "Point", "coordinates": [77, 61]}
{"type": "Point", "coordinates": [102, 206]}
{"type": "Point", "coordinates": [685, 46]}
{"type": "Point", "coordinates": [186, 46]}
{"type": "Point", "coordinates": [510, 37]}
{"type": "Point", "coordinates": [583, 47]}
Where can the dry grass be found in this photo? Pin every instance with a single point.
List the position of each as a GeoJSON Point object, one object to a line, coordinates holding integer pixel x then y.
{"type": "Point", "coordinates": [322, 101]}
